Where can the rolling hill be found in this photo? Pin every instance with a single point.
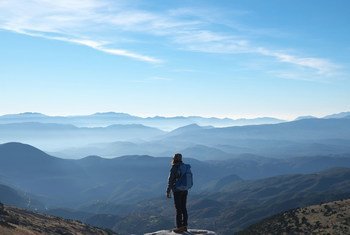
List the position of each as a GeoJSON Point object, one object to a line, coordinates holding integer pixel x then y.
{"type": "Point", "coordinates": [82, 181]}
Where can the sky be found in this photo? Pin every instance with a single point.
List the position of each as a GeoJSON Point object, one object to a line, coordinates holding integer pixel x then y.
{"type": "Point", "coordinates": [222, 58]}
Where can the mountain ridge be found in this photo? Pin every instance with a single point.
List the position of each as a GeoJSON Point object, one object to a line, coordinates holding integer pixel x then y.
{"type": "Point", "coordinates": [110, 118]}
{"type": "Point", "coordinates": [339, 115]}
{"type": "Point", "coordinates": [53, 135]}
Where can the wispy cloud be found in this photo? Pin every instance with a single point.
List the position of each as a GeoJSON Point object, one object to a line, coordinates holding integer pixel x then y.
{"type": "Point", "coordinates": [216, 43]}
{"type": "Point", "coordinates": [320, 66]}
{"type": "Point", "coordinates": [69, 21]}
{"type": "Point", "coordinates": [97, 45]}
{"type": "Point", "coordinates": [99, 24]}
{"type": "Point", "coordinates": [100, 46]}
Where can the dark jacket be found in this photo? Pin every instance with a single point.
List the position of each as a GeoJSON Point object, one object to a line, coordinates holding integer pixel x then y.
{"type": "Point", "coordinates": [173, 176]}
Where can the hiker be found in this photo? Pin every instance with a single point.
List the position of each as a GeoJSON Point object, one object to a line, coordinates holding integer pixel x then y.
{"type": "Point", "coordinates": [179, 181]}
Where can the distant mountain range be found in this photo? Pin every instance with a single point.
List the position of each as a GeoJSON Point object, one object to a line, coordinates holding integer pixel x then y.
{"type": "Point", "coordinates": [112, 118]}
{"type": "Point", "coordinates": [53, 136]}
{"type": "Point", "coordinates": [305, 137]}
{"type": "Point", "coordinates": [336, 115]}
{"type": "Point", "coordinates": [339, 115]}
{"type": "Point", "coordinates": [289, 139]}
{"type": "Point", "coordinates": [58, 135]}
{"type": "Point", "coordinates": [164, 123]}
{"type": "Point", "coordinates": [306, 129]}
{"type": "Point", "coordinates": [297, 138]}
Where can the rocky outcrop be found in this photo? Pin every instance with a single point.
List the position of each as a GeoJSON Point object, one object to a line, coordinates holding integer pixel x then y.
{"type": "Point", "coordinates": [189, 232]}
{"type": "Point", "coordinates": [327, 218]}
{"type": "Point", "coordinates": [19, 221]}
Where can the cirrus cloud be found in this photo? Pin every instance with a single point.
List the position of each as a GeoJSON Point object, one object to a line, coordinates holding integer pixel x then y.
{"type": "Point", "coordinates": [102, 24]}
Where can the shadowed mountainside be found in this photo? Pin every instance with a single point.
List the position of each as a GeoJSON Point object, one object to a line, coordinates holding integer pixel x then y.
{"type": "Point", "coordinates": [239, 203]}
{"type": "Point", "coordinates": [91, 179]}
{"type": "Point", "coordinates": [11, 196]}
{"type": "Point", "coordinates": [105, 192]}
{"type": "Point", "coordinates": [94, 179]}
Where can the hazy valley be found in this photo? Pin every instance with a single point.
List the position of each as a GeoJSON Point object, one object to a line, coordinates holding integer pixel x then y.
{"type": "Point", "coordinates": [117, 179]}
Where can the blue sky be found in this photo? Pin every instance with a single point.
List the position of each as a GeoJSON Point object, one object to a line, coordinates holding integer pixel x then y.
{"type": "Point", "coordinates": [209, 58]}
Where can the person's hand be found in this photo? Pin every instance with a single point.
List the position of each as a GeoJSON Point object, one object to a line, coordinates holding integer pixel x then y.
{"type": "Point", "coordinates": [168, 195]}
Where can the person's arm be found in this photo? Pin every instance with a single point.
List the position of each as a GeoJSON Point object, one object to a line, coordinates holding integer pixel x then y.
{"type": "Point", "coordinates": [171, 180]}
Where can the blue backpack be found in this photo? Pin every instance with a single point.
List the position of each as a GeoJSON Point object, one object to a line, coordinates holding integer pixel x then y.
{"type": "Point", "coordinates": [185, 180]}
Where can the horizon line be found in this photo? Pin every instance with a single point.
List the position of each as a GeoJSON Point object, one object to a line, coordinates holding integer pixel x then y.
{"type": "Point", "coordinates": [168, 116]}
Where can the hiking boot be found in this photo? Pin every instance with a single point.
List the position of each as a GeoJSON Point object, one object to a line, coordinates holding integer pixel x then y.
{"type": "Point", "coordinates": [180, 229]}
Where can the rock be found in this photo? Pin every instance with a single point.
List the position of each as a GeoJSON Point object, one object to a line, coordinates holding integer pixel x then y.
{"type": "Point", "coordinates": [189, 232]}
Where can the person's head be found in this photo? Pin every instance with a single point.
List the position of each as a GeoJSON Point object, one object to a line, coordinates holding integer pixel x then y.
{"type": "Point", "coordinates": [177, 158]}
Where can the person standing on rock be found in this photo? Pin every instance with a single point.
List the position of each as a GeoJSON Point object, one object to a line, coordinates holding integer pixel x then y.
{"type": "Point", "coordinates": [180, 180]}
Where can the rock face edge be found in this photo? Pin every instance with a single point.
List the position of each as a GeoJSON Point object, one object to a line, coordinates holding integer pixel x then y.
{"type": "Point", "coordinates": [189, 232]}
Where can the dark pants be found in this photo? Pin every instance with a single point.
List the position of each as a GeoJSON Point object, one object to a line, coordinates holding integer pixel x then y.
{"type": "Point", "coordinates": [180, 199]}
